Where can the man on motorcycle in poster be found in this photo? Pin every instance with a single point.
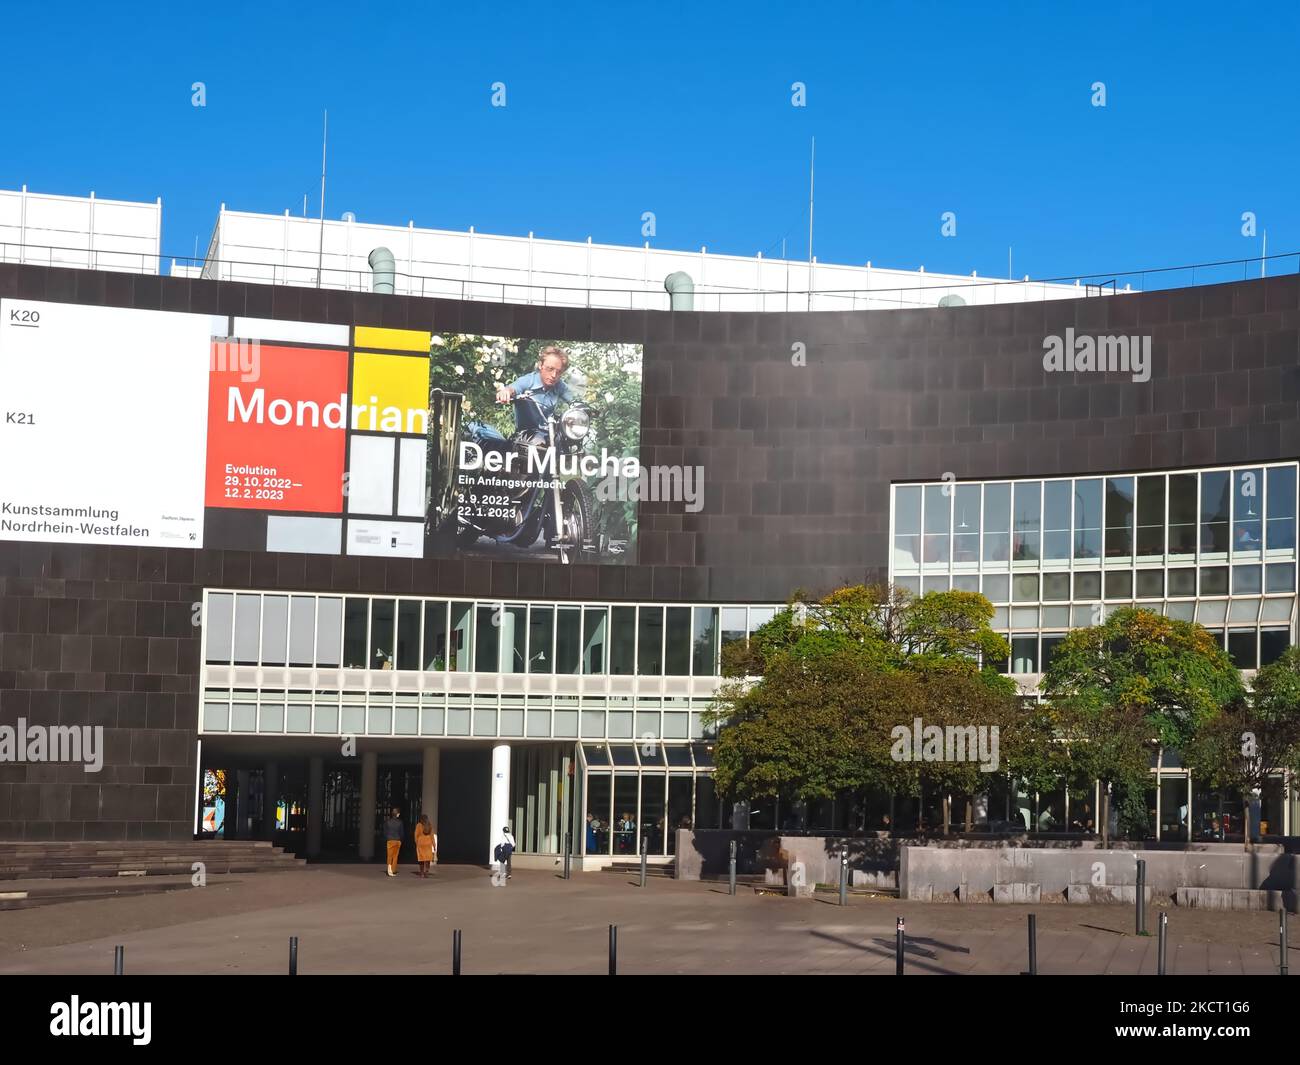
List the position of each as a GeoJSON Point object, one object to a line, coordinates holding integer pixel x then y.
{"type": "Point", "coordinates": [552, 362]}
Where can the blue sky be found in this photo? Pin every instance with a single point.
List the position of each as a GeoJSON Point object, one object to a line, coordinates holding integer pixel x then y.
{"type": "Point", "coordinates": [685, 110]}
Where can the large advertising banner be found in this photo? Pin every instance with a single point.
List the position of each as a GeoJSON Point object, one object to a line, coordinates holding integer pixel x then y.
{"type": "Point", "coordinates": [148, 427]}
{"type": "Point", "coordinates": [102, 424]}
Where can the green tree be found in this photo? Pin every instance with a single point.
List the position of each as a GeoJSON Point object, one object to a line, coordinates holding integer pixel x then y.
{"type": "Point", "coordinates": [836, 677]}
{"type": "Point", "coordinates": [1135, 679]}
{"type": "Point", "coordinates": [1253, 736]}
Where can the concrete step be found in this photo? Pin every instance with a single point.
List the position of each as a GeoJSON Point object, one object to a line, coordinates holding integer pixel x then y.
{"type": "Point", "coordinates": [27, 894]}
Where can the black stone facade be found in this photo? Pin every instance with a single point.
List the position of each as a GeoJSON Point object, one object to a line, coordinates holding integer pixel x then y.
{"type": "Point", "coordinates": [797, 462]}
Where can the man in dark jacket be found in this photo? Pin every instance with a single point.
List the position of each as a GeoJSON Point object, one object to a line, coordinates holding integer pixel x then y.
{"type": "Point", "coordinates": [394, 831]}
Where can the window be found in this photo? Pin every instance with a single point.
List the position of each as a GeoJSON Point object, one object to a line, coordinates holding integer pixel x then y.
{"type": "Point", "coordinates": [1024, 654]}
{"type": "Point", "coordinates": [462, 637]}
{"type": "Point", "coordinates": [1247, 513]}
{"type": "Point", "coordinates": [1150, 583]}
{"type": "Point", "coordinates": [1241, 648]}
{"type": "Point", "coordinates": [1056, 520]}
{"type": "Point", "coordinates": [408, 634]}
{"type": "Point", "coordinates": [1182, 582]}
{"type": "Point", "coordinates": [435, 637]}
{"type": "Point", "coordinates": [1087, 586]}
{"type": "Point", "coordinates": [1119, 519]}
{"type": "Point", "coordinates": [1182, 515]}
{"type": "Point", "coordinates": [248, 631]}
{"type": "Point", "coordinates": [1025, 538]}
{"type": "Point", "coordinates": [217, 624]}
{"type": "Point", "coordinates": [1216, 490]}
{"type": "Point", "coordinates": [1279, 577]}
{"type": "Point", "coordinates": [1214, 580]}
{"type": "Point", "coordinates": [650, 641]}
{"type": "Point", "coordinates": [383, 619]}
{"type": "Point", "coordinates": [1247, 580]}
{"type": "Point", "coordinates": [622, 659]}
{"type": "Point", "coordinates": [1151, 517]}
{"type": "Point", "coordinates": [302, 630]}
{"type": "Point", "coordinates": [356, 615]}
{"type": "Point", "coordinates": [1024, 588]}
{"type": "Point", "coordinates": [329, 630]}
{"type": "Point", "coordinates": [1272, 644]}
{"type": "Point", "coordinates": [1056, 587]}
{"type": "Point", "coordinates": [997, 587]}
{"type": "Point", "coordinates": [1281, 502]}
{"type": "Point", "coordinates": [966, 525]}
{"type": "Point", "coordinates": [997, 522]}
{"type": "Point", "coordinates": [568, 641]}
{"type": "Point", "coordinates": [907, 527]}
{"type": "Point", "coordinates": [1119, 584]}
{"type": "Point", "coordinates": [677, 641]}
{"type": "Point", "coordinates": [704, 642]}
{"type": "Point", "coordinates": [1050, 643]}
{"type": "Point", "coordinates": [1087, 519]}
{"type": "Point", "coordinates": [595, 625]}
{"type": "Point", "coordinates": [541, 626]}
{"type": "Point", "coordinates": [938, 522]}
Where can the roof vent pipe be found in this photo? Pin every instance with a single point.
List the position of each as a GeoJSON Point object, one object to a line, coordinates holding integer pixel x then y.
{"type": "Point", "coordinates": [383, 266]}
{"type": "Point", "coordinates": [681, 291]}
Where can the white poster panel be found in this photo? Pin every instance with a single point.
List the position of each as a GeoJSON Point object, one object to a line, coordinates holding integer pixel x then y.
{"type": "Point", "coordinates": [103, 424]}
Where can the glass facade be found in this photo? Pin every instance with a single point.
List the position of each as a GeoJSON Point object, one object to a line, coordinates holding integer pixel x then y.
{"type": "Point", "coordinates": [318, 664]}
{"type": "Point", "coordinates": [1217, 546]}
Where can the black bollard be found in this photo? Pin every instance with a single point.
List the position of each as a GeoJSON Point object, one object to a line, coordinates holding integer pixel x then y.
{"type": "Point", "coordinates": [613, 950]}
{"type": "Point", "coordinates": [568, 855]}
{"type": "Point", "coordinates": [1033, 945]}
{"type": "Point", "coordinates": [1142, 898]}
{"type": "Point", "coordinates": [455, 952]}
{"type": "Point", "coordinates": [898, 947]}
{"type": "Point", "coordinates": [1281, 939]}
{"type": "Point", "coordinates": [844, 877]}
{"type": "Point", "coordinates": [1161, 941]}
{"type": "Point", "coordinates": [119, 960]}
{"type": "Point", "coordinates": [645, 845]}
{"type": "Point", "coordinates": [293, 955]}
{"type": "Point", "coordinates": [732, 873]}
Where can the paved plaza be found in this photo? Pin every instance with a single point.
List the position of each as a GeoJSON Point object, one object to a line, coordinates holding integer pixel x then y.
{"type": "Point", "coordinates": [353, 919]}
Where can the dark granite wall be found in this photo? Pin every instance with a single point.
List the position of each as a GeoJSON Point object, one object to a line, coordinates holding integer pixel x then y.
{"type": "Point", "coordinates": [797, 465]}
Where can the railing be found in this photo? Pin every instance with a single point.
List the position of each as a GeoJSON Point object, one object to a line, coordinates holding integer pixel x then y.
{"type": "Point", "coordinates": [650, 295]}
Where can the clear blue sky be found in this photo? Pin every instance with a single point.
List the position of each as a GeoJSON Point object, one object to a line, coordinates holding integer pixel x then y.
{"type": "Point", "coordinates": [685, 110]}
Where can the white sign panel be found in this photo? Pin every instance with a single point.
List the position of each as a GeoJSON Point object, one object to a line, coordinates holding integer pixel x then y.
{"type": "Point", "coordinates": [103, 424]}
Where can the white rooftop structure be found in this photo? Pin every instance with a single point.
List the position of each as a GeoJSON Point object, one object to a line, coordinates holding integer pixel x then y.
{"type": "Point", "coordinates": [80, 231]}
{"type": "Point", "coordinates": [295, 250]}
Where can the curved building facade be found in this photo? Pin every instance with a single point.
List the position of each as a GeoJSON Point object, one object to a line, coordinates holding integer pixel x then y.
{"type": "Point", "coordinates": [291, 665]}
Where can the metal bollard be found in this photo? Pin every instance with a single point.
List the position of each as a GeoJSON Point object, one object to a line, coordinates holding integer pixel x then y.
{"type": "Point", "coordinates": [455, 952]}
{"type": "Point", "coordinates": [119, 960]}
{"type": "Point", "coordinates": [1142, 897]}
{"type": "Point", "coordinates": [293, 955]}
{"type": "Point", "coordinates": [731, 876]}
{"type": "Point", "coordinates": [899, 932]}
{"type": "Point", "coordinates": [568, 855]}
{"type": "Point", "coordinates": [645, 845]}
{"type": "Point", "coordinates": [1281, 939]}
{"type": "Point", "coordinates": [844, 876]}
{"type": "Point", "coordinates": [613, 950]}
{"type": "Point", "coordinates": [1033, 945]}
{"type": "Point", "coordinates": [1161, 941]}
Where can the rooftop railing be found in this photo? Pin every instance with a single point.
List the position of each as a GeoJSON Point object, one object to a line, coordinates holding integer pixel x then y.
{"type": "Point", "coordinates": [504, 285]}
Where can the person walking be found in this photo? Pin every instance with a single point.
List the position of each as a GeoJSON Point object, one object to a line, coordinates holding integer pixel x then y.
{"type": "Point", "coordinates": [426, 845]}
{"type": "Point", "coordinates": [501, 853]}
{"type": "Point", "coordinates": [394, 830]}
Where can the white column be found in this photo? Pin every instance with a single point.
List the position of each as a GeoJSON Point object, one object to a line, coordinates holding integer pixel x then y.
{"type": "Point", "coordinates": [315, 804]}
{"type": "Point", "coordinates": [500, 804]}
{"type": "Point", "coordinates": [506, 646]}
{"type": "Point", "coordinates": [429, 788]}
{"type": "Point", "coordinates": [369, 785]}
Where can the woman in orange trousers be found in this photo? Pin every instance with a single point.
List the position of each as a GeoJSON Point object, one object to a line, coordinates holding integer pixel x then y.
{"type": "Point", "coordinates": [426, 844]}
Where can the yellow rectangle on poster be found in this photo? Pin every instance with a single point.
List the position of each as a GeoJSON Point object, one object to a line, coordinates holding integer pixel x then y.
{"type": "Point", "coordinates": [390, 393]}
{"type": "Point", "coordinates": [371, 336]}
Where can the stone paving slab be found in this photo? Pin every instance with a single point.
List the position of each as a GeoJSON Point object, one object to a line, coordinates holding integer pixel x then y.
{"type": "Point", "coordinates": [353, 919]}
